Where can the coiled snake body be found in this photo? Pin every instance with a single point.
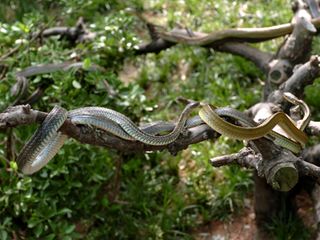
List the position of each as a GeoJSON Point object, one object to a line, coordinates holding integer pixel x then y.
{"type": "Point", "coordinates": [46, 141]}
{"type": "Point", "coordinates": [44, 144]}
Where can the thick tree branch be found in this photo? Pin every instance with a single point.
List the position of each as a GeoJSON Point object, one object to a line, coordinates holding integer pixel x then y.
{"type": "Point", "coordinates": [154, 46]}
{"type": "Point", "coordinates": [296, 49]}
{"type": "Point", "coordinates": [258, 57]}
{"type": "Point", "coordinates": [24, 115]}
{"type": "Point", "coordinates": [246, 157]}
{"type": "Point", "coordinates": [302, 76]}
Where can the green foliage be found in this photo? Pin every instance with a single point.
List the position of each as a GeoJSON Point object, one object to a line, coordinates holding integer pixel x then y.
{"type": "Point", "coordinates": [287, 226]}
{"type": "Point", "coordinates": [158, 196]}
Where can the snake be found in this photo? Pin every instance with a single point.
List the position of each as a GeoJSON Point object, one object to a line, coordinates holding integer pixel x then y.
{"type": "Point", "coordinates": [255, 34]}
{"type": "Point", "coordinates": [305, 108]}
{"type": "Point", "coordinates": [212, 119]}
{"type": "Point", "coordinates": [47, 140]}
{"type": "Point", "coordinates": [131, 129]}
{"type": "Point", "coordinates": [82, 117]}
{"type": "Point", "coordinates": [20, 88]}
{"type": "Point", "coordinates": [44, 144]}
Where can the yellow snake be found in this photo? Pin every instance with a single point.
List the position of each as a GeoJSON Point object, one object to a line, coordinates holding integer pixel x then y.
{"type": "Point", "coordinates": [208, 115]}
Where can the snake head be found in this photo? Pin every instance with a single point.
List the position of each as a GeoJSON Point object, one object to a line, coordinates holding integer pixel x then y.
{"type": "Point", "coordinates": [194, 104]}
{"type": "Point", "coordinates": [202, 104]}
{"type": "Point", "coordinates": [291, 98]}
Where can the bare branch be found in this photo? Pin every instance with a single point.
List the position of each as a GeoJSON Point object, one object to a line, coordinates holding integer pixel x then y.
{"type": "Point", "coordinates": [246, 157]}
{"type": "Point", "coordinates": [314, 128]}
{"type": "Point", "coordinates": [155, 46]}
{"type": "Point", "coordinates": [302, 76]}
{"type": "Point", "coordinates": [258, 57]}
{"type": "Point", "coordinates": [297, 47]}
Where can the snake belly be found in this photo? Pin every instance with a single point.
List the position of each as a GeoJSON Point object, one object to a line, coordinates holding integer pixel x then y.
{"type": "Point", "coordinates": [44, 144]}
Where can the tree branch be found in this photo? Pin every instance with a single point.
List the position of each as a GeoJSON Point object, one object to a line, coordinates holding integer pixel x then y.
{"type": "Point", "coordinates": [246, 157]}
{"type": "Point", "coordinates": [302, 76]}
{"type": "Point", "coordinates": [258, 57]}
{"type": "Point", "coordinates": [24, 115]}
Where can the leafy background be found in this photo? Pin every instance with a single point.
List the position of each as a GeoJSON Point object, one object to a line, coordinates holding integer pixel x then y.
{"type": "Point", "coordinates": [88, 192]}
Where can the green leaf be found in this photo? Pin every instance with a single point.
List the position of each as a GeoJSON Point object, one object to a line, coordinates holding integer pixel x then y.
{"type": "Point", "coordinates": [38, 230]}
{"type": "Point", "coordinates": [13, 165]}
{"type": "Point", "coordinates": [64, 211]}
{"type": "Point", "coordinates": [3, 234]}
{"type": "Point", "coordinates": [76, 84]}
{"type": "Point", "coordinates": [49, 237]}
{"type": "Point", "coordinates": [69, 229]}
{"type": "Point", "coordinates": [105, 201]}
{"type": "Point", "coordinates": [86, 64]}
{"type": "Point", "coordinates": [33, 222]}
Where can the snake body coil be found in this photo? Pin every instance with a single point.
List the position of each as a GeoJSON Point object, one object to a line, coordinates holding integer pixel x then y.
{"type": "Point", "coordinates": [44, 144]}
{"type": "Point", "coordinates": [46, 141]}
{"type": "Point", "coordinates": [302, 124]}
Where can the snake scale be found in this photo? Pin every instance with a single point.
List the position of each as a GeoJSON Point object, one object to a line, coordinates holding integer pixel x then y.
{"type": "Point", "coordinates": [47, 140]}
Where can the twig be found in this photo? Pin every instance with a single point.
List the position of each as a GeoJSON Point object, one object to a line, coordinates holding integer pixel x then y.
{"type": "Point", "coordinates": [246, 157]}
